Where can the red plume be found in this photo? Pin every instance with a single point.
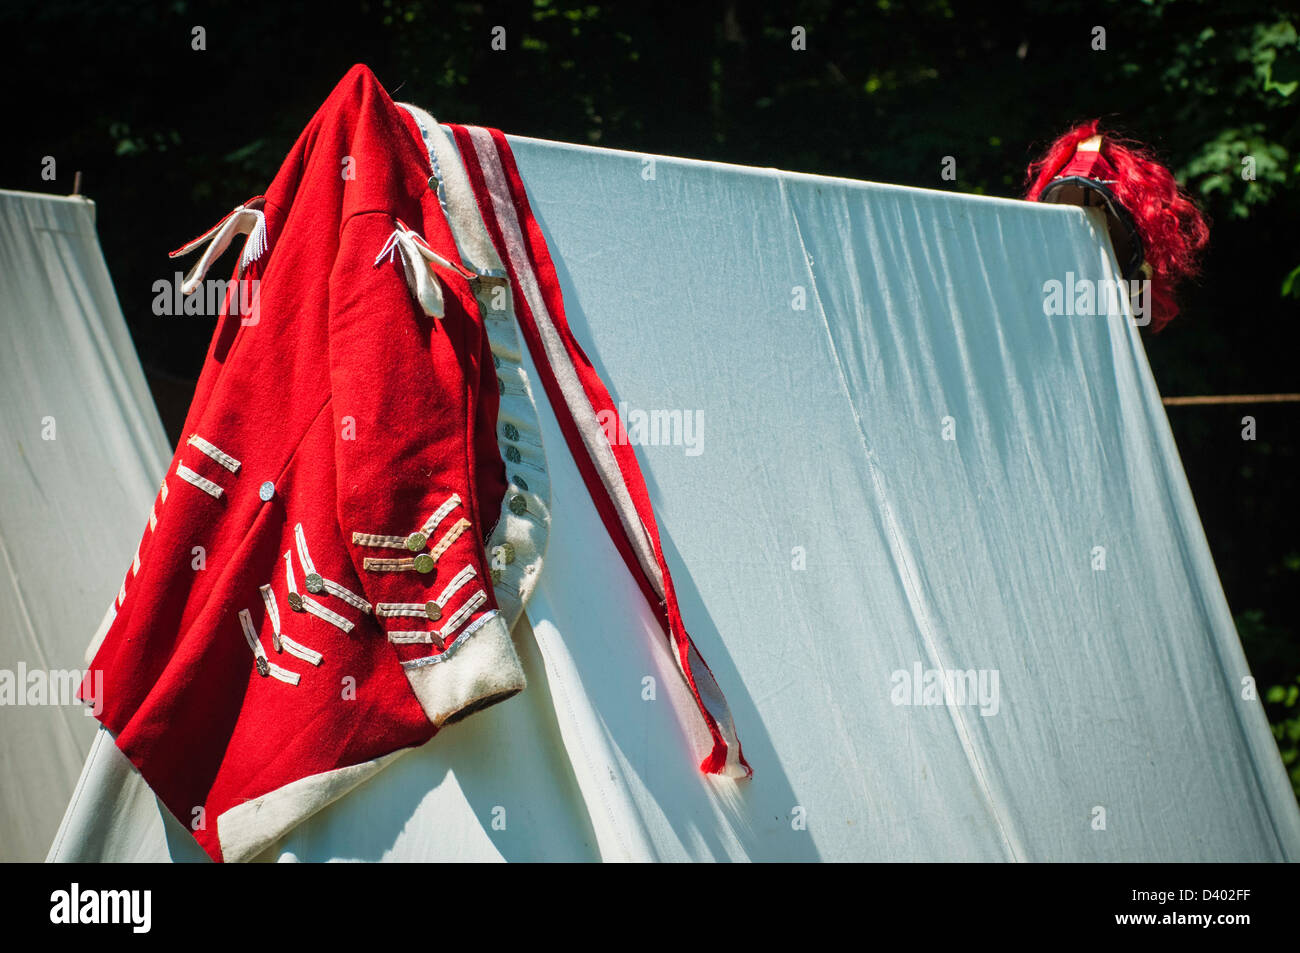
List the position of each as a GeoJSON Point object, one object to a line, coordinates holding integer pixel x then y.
{"type": "Point", "coordinates": [1172, 228]}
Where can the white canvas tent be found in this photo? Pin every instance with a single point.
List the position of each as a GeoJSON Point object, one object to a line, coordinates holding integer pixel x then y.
{"type": "Point", "coordinates": [83, 451]}
{"type": "Point", "coordinates": [898, 464]}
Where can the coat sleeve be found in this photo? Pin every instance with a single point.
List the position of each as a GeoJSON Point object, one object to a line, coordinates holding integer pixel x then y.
{"type": "Point", "coordinates": [403, 388]}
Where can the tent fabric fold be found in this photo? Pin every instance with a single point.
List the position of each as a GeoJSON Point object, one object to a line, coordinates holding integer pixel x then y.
{"type": "Point", "coordinates": [936, 542]}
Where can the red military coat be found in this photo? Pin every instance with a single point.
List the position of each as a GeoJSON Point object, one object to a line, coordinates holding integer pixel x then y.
{"type": "Point", "coordinates": [357, 512]}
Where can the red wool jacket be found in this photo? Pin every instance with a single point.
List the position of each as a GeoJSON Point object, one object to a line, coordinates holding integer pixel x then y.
{"type": "Point", "coordinates": [357, 512]}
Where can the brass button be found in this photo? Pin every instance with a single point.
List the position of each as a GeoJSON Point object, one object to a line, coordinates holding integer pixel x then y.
{"type": "Point", "coordinates": [295, 602]}
{"type": "Point", "coordinates": [511, 432]}
{"type": "Point", "coordinates": [263, 667]}
{"type": "Point", "coordinates": [496, 575]}
{"type": "Point", "coordinates": [433, 611]}
{"type": "Point", "coordinates": [518, 505]}
{"type": "Point", "coordinates": [315, 583]}
{"type": "Point", "coordinates": [512, 454]}
{"type": "Point", "coordinates": [519, 482]}
{"type": "Point", "coordinates": [266, 491]}
{"type": "Point", "coordinates": [508, 552]}
{"type": "Point", "coordinates": [424, 563]}
{"type": "Point", "coordinates": [416, 541]}
{"type": "Point", "coordinates": [433, 183]}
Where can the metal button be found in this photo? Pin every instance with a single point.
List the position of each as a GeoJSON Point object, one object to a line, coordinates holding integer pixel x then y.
{"type": "Point", "coordinates": [315, 583]}
{"type": "Point", "coordinates": [511, 432]}
{"type": "Point", "coordinates": [508, 552]}
{"type": "Point", "coordinates": [496, 575]}
{"type": "Point", "coordinates": [416, 541]}
{"type": "Point", "coordinates": [433, 182]}
{"type": "Point", "coordinates": [512, 454]}
{"type": "Point", "coordinates": [424, 563]}
{"type": "Point", "coordinates": [519, 482]}
{"type": "Point", "coordinates": [433, 611]}
{"type": "Point", "coordinates": [266, 491]}
{"type": "Point", "coordinates": [263, 667]}
{"type": "Point", "coordinates": [295, 602]}
{"type": "Point", "coordinates": [518, 505]}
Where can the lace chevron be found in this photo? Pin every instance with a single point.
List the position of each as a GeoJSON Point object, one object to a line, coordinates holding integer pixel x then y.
{"type": "Point", "coordinates": [371, 564]}
{"type": "Point", "coordinates": [461, 615]}
{"type": "Point", "coordinates": [376, 541]}
{"type": "Point", "coordinates": [316, 583]}
{"type": "Point", "coordinates": [223, 458]}
{"type": "Point", "coordinates": [203, 483]}
{"type": "Point", "coordinates": [440, 514]}
{"type": "Point", "coordinates": [319, 611]}
{"type": "Point", "coordinates": [301, 651]}
{"type": "Point", "coordinates": [414, 541]}
{"type": "Point", "coordinates": [448, 538]}
{"type": "Point", "coordinates": [281, 642]}
{"type": "Point", "coordinates": [264, 665]}
{"type": "Point", "coordinates": [346, 594]}
{"type": "Point", "coordinates": [272, 613]}
{"type": "Point", "coordinates": [420, 610]}
{"type": "Point", "coordinates": [450, 651]}
{"type": "Point", "coordinates": [439, 637]}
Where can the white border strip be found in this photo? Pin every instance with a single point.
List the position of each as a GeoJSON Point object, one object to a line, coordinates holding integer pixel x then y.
{"type": "Point", "coordinates": [584, 415]}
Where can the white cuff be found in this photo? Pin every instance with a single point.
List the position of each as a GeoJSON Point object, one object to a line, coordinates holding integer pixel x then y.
{"type": "Point", "coordinates": [480, 668]}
